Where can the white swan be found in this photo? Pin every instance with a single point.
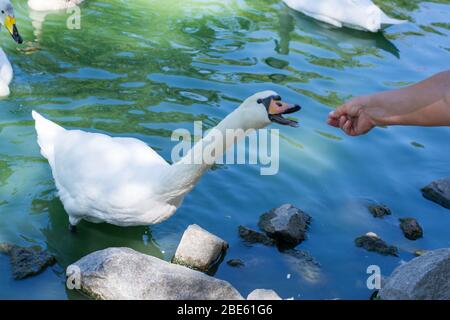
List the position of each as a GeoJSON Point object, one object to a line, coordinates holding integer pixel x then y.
{"type": "Point", "coordinates": [357, 14]}
{"type": "Point", "coordinates": [124, 182]}
{"type": "Point", "coordinates": [7, 19]}
{"type": "Point", "coordinates": [50, 5]}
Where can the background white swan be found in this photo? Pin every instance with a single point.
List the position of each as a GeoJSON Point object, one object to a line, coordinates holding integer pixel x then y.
{"type": "Point", "coordinates": [49, 5]}
{"type": "Point", "coordinates": [8, 20]}
{"type": "Point", "coordinates": [40, 9]}
{"type": "Point", "coordinates": [357, 14]}
{"type": "Point", "coordinates": [123, 181]}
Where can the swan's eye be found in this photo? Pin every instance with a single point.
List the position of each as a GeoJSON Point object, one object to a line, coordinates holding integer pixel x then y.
{"type": "Point", "coordinates": [259, 101]}
{"type": "Point", "coordinates": [3, 11]}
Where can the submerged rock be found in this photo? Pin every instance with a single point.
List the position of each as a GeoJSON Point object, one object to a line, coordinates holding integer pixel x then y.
{"type": "Point", "coordinates": [423, 278]}
{"type": "Point", "coordinates": [411, 228]}
{"type": "Point", "coordinates": [263, 294]}
{"type": "Point", "coordinates": [199, 249]}
{"type": "Point", "coordinates": [122, 273]}
{"type": "Point", "coordinates": [379, 211]}
{"type": "Point", "coordinates": [304, 264]}
{"type": "Point", "coordinates": [286, 224]}
{"type": "Point", "coordinates": [251, 236]}
{"type": "Point", "coordinates": [26, 262]}
{"type": "Point", "coordinates": [439, 192]}
{"type": "Point", "coordinates": [235, 263]}
{"type": "Point", "coordinates": [371, 242]}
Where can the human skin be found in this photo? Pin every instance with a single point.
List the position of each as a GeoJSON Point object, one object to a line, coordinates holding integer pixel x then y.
{"type": "Point", "coordinates": [426, 103]}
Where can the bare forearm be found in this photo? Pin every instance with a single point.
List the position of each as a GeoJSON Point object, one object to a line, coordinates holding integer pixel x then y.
{"type": "Point", "coordinates": [425, 103]}
{"type": "Point", "coordinates": [436, 114]}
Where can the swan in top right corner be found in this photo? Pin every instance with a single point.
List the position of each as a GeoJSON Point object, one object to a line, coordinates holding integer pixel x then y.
{"type": "Point", "coordinates": [356, 14]}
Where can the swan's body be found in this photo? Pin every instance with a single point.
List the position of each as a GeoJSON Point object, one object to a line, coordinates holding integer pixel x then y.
{"type": "Point", "coordinates": [358, 14]}
{"type": "Point", "coordinates": [8, 20]}
{"type": "Point", "coordinates": [123, 181]}
{"type": "Point", "coordinates": [6, 74]}
{"type": "Point", "coordinates": [50, 5]}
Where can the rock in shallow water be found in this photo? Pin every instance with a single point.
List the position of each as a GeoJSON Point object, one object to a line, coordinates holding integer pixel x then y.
{"type": "Point", "coordinates": [26, 262]}
{"type": "Point", "coordinates": [439, 192]}
{"type": "Point", "coordinates": [251, 236]}
{"type": "Point", "coordinates": [263, 294]}
{"type": "Point", "coordinates": [199, 249]}
{"type": "Point", "coordinates": [423, 278]}
{"type": "Point", "coordinates": [286, 224]}
{"type": "Point", "coordinates": [411, 228]}
{"type": "Point", "coordinates": [371, 242]}
{"type": "Point", "coordinates": [304, 264]}
{"type": "Point", "coordinates": [379, 211]}
{"type": "Point", "coordinates": [420, 252]}
{"type": "Point", "coordinates": [122, 273]}
{"type": "Point", "coordinates": [235, 263]}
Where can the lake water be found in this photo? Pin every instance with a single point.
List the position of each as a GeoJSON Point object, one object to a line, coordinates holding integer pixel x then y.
{"type": "Point", "coordinates": [144, 68]}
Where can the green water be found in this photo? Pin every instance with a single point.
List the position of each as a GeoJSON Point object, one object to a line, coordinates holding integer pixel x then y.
{"type": "Point", "coordinates": [144, 68]}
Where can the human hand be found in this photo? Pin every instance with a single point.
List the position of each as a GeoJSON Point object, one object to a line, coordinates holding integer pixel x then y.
{"type": "Point", "coordinates": [354, 117]}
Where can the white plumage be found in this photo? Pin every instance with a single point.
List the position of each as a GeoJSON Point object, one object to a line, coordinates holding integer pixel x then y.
{"type": "Point", "coordinates": [50, 5]}
{"type": "Point", "coordinates": [357, 14]}
{"type": "Point", "coordinates": [123, 181]}
{"type": "Point", "coordinates": [6, 74]}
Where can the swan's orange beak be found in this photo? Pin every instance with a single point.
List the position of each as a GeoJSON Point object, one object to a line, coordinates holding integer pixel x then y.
{"type": "Point", "coordinates": [276, 108]}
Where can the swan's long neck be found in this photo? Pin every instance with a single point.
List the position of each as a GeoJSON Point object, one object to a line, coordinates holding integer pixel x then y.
{"type": "Point", "coordinates": [185, 173]}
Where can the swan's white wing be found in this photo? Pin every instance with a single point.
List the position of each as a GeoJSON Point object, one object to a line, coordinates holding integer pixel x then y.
{"type": "Point", "coordinates": [104, 173]}
{"type": "Point", "coordinates": [324, 19]}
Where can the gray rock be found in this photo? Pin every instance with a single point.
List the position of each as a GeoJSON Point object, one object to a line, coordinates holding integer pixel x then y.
{"type": "Point", "coordinates": [251, 236]}
{"type": "Point", "coordinates": [263, 294]}
{"type": "Point", "coordinates": [235, 263]}
{"type": "Point", "coordinates": [122, 273]}
{"type": "Point", "coordinates": [423, 278]}
{"type": "Point", "coordinates": [26, 262]}
{"type": "Point", "coordinates": [371, 242]}
{"type": "Point", "coordinates": [286, 224]}
{"type": "Point", "coordinates": [199, 249]}
{"type": "Point", "coordinates": [439, 192]}
{"type": "Point", "coordinates": [379, 211]}
{"type": "Point", "coordinates": [411, 228]}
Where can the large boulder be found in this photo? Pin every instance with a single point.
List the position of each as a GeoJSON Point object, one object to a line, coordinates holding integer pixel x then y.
{"type": "Point", "coordinates": [263, 294]}
{"type": "Point", "coordinates": [199, 249]}
{"type": "Point", "coordinates": [26, 262]}
{"type": "Point", "coordinates": [286, 224]}
{"type": "Point", "coordinates": [122, 273]}
{"type": "Point", "coordinates": [423, 278]}
{"type": "Point", "coordinates": [439, 192]}
{"type": "Point", "coordinates": [411, 228]}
